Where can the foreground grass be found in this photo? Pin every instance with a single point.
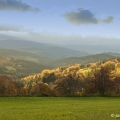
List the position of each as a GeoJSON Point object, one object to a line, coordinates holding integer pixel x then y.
{"type": "Point", "coordinates": [40, 108]}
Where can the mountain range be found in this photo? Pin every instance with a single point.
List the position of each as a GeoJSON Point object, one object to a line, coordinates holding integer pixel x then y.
{"type": "Point", "coordinates": [46, 53]}
{"type": "Point", "coordinates": [42, 49]}
{"type": "Point", "coordinates": [21, 58]}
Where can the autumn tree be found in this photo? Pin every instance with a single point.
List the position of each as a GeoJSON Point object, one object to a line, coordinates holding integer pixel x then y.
{"type": "Point", "coordinates": [70, 85]}
{"type": "Point", "coordinates": [100, 81]}
{"type": "Point", "coordinates": [40, 89]}
{"type": "Point", "coordinates": [116, 79]}
{"type": "Point", "coordinates": [20, 90]}
{"type": "Point", "coordinates": [7, 86]}
{"type": "Point", "coordinates": [47, 76]}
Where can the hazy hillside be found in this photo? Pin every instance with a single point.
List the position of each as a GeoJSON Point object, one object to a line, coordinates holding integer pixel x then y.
{"type": "Point", "coordinates": [20, 64]}
{"type": "Point", "coordinates": [44, 50]}
{"type": "Point", "coordinates": [23, 55]}
{"type": "Point", "coordinates": [56, 52]}
{"type": "Point", "coordinates": [23, 58]}
{"type": "Point", "coordinates": [82, 60]}
{"type": "Point", "coordinates": [94, 48]}
{"type": "Point", "coordinates": [19, 68]}
{"type": "Point", "coordinates": [35, 54]}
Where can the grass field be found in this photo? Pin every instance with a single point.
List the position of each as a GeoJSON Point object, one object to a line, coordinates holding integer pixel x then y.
{"type": "Point", "coordinates": [31, 59]}
{"type": "Point", "coordinates": [55, 108]}
{"type": "Point", "coordinates": [10, 68]}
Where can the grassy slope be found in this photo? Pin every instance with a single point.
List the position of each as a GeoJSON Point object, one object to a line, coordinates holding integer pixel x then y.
{"type": "Point", "coordinates": [82, 108]}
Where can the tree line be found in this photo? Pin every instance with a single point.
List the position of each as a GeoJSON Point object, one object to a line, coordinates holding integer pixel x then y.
{"type": "Point", "coordinates": [93, 79]}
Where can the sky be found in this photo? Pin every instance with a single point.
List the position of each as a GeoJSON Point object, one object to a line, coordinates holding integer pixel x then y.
{"type": "Point", "coordinates": [61, 21]}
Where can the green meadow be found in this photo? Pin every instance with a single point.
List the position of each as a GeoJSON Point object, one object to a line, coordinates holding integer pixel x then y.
{"type": "Point", "coordinates": [31, 59]}
{"type": "Point", "coordinates": [59, 108]}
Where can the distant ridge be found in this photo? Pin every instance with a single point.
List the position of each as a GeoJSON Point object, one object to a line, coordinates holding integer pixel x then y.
{"type": "Point", "coordinates": [42, 49]}
{"type": "Point", "coordinates": [8, 53]}
{"type": "Point", "coordinates": [86, 59]}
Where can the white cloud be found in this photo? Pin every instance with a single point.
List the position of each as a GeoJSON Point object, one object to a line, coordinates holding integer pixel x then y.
{"type": "Point", "coordinates": [82, 16]}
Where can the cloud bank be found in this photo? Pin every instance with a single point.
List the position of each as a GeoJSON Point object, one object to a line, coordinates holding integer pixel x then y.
{"type": "Point", "coordinates": [82, 16]}
{"type": "Point", "coordinates": [16, 5]}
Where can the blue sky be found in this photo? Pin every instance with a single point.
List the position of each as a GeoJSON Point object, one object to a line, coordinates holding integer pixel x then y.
{"type": "Point", "coordinates": [56, 21]}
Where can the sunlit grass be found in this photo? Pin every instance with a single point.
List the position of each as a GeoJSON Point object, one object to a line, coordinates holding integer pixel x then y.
{"type": "Point", "coordinates": [10, 68]}
{"type": "Point", "coordinates": [77, 108]}
{"type": "Point", "coordinates": [31, 59]}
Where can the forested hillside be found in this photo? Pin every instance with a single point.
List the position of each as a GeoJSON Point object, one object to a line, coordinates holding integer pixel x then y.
{"type": "Point", "coordinates": [19, 68]}
{"type": "Point", "coordinates": [20, 64]}
{"type": "Point", "coordinates": [28, 74]}
{"type": "Point", "coordinates": [84, 60]}
{"type": "Point", "coordinates": [9, 53]}
{"type": "Point", "coordinates": [100, 78]}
